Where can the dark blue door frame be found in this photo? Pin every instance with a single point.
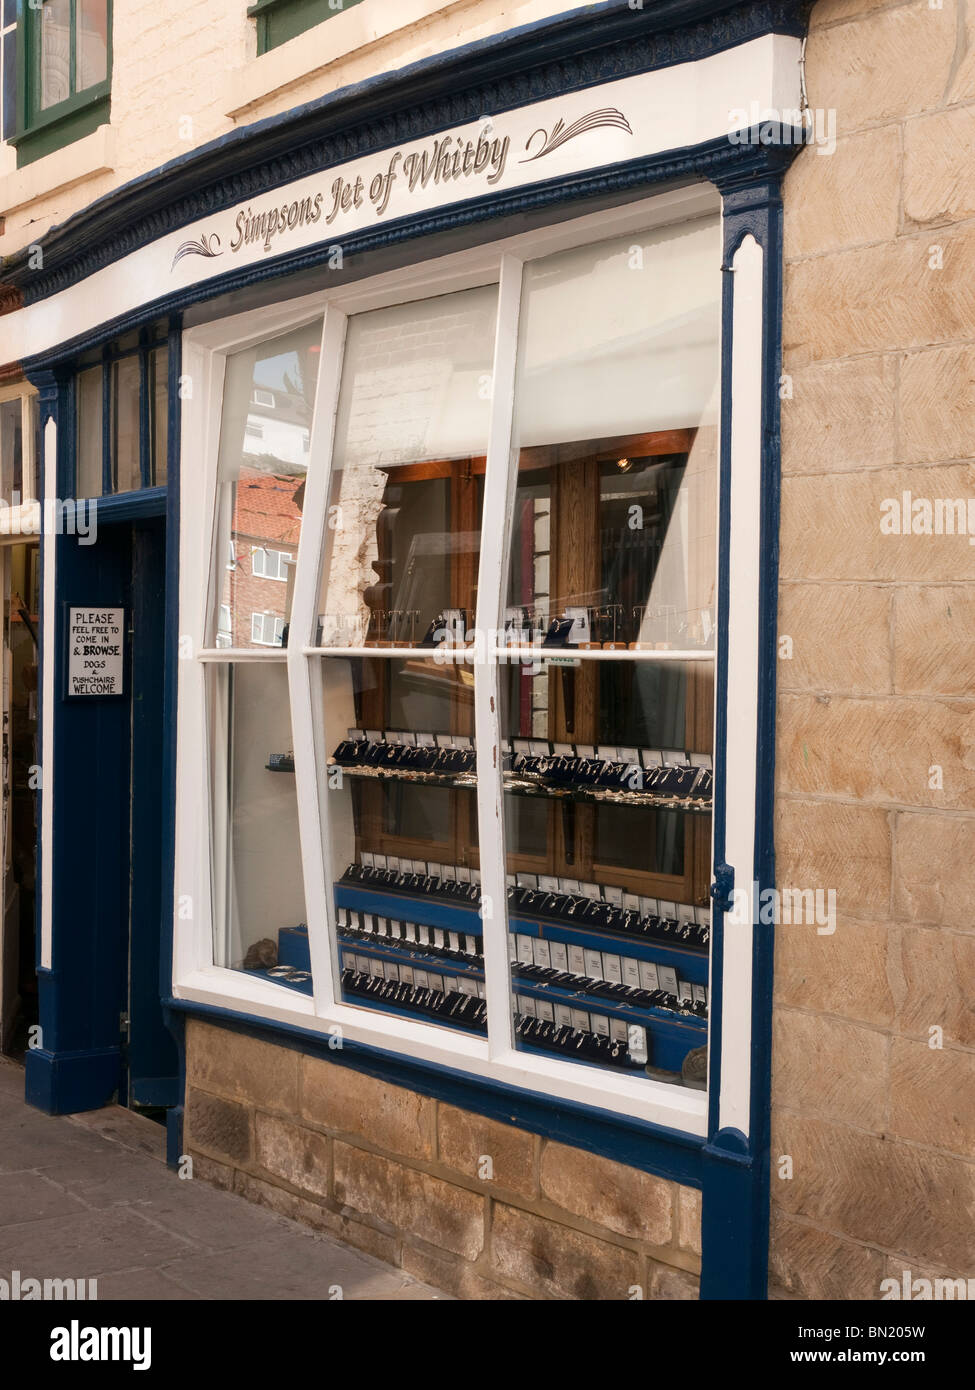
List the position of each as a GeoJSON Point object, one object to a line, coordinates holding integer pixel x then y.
{"type": "Point", "coordinates": [153, 1058]}
{"type": "Point", "coordinates": [80, 1063]}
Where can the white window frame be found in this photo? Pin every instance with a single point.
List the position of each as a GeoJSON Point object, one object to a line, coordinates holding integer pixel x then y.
{"type": "Point", "coordinates": [195, 976]}
{"type": "Point", "coordinates": [263, 616]}
{"type": "Point", "coordinates": [284, 559]}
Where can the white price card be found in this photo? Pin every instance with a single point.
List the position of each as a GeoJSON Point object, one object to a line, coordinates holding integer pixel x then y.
{"type": "Point", "coordinates": [543, 956]}
{"type": "Point", "coordinates": [631, 972]}
{"type": "Point", "coordinates": [668, 978]}
{"type": "Point", "coordinates": [649, 978]}
{"type": "Point", "coordinates": [612, 969]}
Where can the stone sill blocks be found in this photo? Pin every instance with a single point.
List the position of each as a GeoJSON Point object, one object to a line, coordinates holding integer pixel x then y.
{"type": "Point", "coordinates": [479, 1209]}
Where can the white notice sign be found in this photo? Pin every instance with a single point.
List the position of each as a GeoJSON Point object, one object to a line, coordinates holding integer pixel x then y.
{"type": "Point", "coordinates": [96, 651]}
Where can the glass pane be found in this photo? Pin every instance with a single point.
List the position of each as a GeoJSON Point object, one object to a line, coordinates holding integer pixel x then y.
{"type": "Point", "coordinates": [91, 56]}
{"type": "Point", "coordinates": [125, 424]}
{"type": "Point", "coordinates": [403, 837]}
{"type": "Point", "coordinates": [89, 465]}
{"type": "Point", "coordinates": [11, 452]}
{"type": "Point", "coordinates": [55, 52]}
{"type": "Point", "coordinates": [34, 432]}
{"type": "Point", "coordinates": [258, 896]}
{"type": "Point", "coordinates": [268, 403]}
{"type": "Point", "coordinates": [8, 81]}
{"type": "Point", "coordinates": [405, 505]}
{"type": "Point", "coordinates": [159, 412]}
{"type": "Point", "coordinates": [608, 755]}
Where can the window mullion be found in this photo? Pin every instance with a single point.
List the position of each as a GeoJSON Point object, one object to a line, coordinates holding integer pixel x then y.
{"type": "Point", "coordinates": [108, 484]}
{"type": "Point", "coordinates": [305, 673]}
{"type": "Point", "coordinates": [216, 369]}
{"type": "Point", "coordinates": [145, 427]}
{"type": "Point", "coordinates": [499, 481]}
{"type": "Point", "coordinates": [28, 468]}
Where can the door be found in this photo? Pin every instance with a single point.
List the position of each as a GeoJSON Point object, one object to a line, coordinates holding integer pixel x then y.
{"type": "Point", "coordinates": [19, 584]}
{"type": "Point", "coordinates": [151, 1075]}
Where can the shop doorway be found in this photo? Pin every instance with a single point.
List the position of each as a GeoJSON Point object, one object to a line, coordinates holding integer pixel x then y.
{"type": "Point", "coordinates": [19, 760]}
{"type": "Point", "coordinates": [104, 1037]}
{"type": "Point", "coordinates": [150, 1063]}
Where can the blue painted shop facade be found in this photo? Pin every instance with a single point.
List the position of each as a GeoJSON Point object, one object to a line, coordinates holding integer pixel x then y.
{"type": "Point", "coordinates": [531, 142]}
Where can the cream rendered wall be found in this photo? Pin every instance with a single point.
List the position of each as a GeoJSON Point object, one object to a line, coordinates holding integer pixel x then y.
{"type": "Point", "coordinates": [186, 73]}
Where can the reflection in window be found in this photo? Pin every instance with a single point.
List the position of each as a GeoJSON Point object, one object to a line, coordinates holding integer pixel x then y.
{"type": "Point", "coordinates": [132, 375]}
{"type": "Point", "coordinates": [11, 452]}
{"type": "Point", "coordinates": [91, 43]}
{"type": "Point", "coordinates": [258, 898]}
{"type": "Point", "coordinates": [89, 468]}
{"type": "Point", "coordinates": [401, 570]}
{"type": "Point", "coordinates": [269, 399]}
{"type": "Point", "coordinates": [55, 41]}
{"type": "Point", "coordinates": [72, 40]}
{"type": "Point", "coordinates": [159, 413]}
{"type": "Point", "coordinates": [271, 564]}
{"type": "Point", "coordinates": [267, 629]}
{"type": "Point", "coordinates": [405, 505]}
{"type": "Point", "coordinates": [125, 388]}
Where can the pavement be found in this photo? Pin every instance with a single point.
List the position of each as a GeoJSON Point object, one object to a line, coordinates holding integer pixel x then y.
{"type": "Point", "coordinates": [90, 1197]}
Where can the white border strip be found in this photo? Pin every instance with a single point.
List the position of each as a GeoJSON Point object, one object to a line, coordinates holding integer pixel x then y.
{"type": "Point", "coordinates": [742, 721]}
{"type": "Point", "coordinates": [47, 720]}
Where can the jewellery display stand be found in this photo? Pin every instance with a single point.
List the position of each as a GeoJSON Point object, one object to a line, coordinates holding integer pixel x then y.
{"type": "Point", "coordinates": [645, 990]}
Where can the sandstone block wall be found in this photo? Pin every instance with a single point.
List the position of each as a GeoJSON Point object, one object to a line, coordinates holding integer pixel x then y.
{"type": "Point", "coordinates": [876, 721]}
{"type": "Point", "coordinates": [480, 1209]}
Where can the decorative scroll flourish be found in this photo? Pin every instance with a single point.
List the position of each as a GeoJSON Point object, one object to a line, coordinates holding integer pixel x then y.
{"type": "Point", "coordinates": [204, 247]}
{"type": "Point", "coordinates": [605, 116]}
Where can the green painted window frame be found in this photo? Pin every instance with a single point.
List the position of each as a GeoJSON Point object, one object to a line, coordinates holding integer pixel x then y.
{"type": "Point", "coordinates": [42, 132]}
{"type": "Point", "coordinates": [281, 20]}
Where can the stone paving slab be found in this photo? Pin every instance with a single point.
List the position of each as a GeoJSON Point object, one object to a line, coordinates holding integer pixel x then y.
{"type": "Point", "coordinates": [90, 1197]}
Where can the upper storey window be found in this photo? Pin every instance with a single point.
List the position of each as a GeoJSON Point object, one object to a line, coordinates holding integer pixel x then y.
{"type": "Point", "coordinates": [64, 74]}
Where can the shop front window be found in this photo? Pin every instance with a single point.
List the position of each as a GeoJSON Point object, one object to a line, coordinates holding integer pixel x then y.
{"type": "Point", "coordinates": [258, 901]}
{"type": "Point", "coordinates": [488, 600]}
{"type": "Point", "coordinates": [610, 595]}
{"type": "Point", "coordinates": [269, 395]}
